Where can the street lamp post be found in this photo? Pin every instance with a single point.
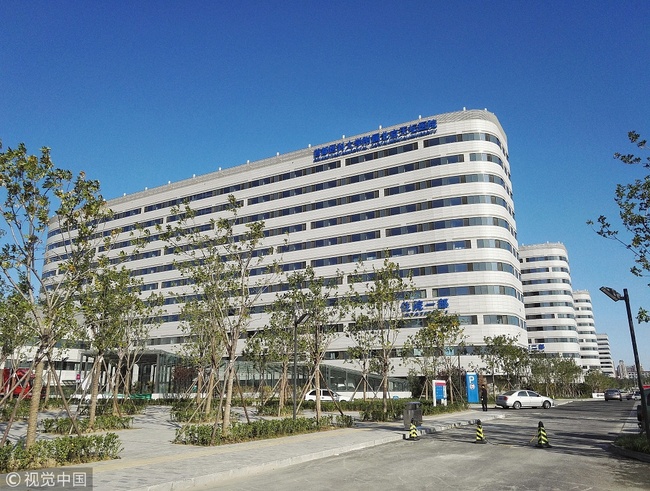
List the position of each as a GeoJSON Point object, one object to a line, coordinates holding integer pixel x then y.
{"type": "Point", "coordinates": [614, 295]}
{"type": "Point", "coordinates": [296, 322]}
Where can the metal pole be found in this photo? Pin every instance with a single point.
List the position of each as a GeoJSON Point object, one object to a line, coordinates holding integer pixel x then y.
{"type": "Point", "coordinates": [644, 405]}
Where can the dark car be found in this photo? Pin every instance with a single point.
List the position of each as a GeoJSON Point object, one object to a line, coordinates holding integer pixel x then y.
{"type": "Point", "coordinates": [613, 395]}
{"type": "Point", "coordinates": [639, 408]}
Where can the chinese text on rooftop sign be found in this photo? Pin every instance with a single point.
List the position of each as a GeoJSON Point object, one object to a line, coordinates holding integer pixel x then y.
{"type": "Point", "coordinates": [378, 139]}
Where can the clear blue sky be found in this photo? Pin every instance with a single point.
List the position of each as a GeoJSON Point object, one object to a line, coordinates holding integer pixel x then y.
{"type": "Point", "coordinates": [140, 93]}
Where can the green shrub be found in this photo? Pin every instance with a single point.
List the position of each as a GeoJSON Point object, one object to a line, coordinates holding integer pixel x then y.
{"type": "Point", "coordinates": [59, 451]}
{"type": "Point", "coordinates": [185, 412]}
{"type": "Point", "coordinates": [270, 408]}
{"type": "Point", "coordinates": [64, 426]}
{"type": "Point", "coordinates": [8, 407]}
{"type": "Point", "coordinates": [258, 430]}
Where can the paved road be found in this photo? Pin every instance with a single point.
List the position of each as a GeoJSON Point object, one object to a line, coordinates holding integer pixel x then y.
{"type": "Point", "coordinates": [579, 458]}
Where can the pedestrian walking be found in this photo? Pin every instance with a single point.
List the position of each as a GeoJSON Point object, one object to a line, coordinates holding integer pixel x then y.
{"type": "Point", "coordinates": [484, 397]}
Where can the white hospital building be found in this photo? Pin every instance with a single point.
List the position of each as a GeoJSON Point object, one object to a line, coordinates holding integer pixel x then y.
{"type": "Point", "coordinates": [434, 194]}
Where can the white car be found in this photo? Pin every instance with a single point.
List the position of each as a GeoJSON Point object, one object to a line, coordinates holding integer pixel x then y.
{"type": "Point", "coordinates": [325, 395]}
{"type": "Point", "coordinates": [523, 398]}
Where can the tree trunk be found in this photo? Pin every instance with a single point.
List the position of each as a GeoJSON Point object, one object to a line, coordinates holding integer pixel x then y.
{"type": "Point", "coordinates": [47, 391]}
{"type": "Point", "coordinates": [34, 405]}
{"type": "Point", "coordinates": [225, 429]}
{"type": "Point", "coordinates": [116, 386]}
{"type": "Point", "coordinates": [225, 400]}
{"type": "Point", "coordinates": [94, 391]}
{"type": "Point", "coordinates": [284, 379]}
{"type": "Point", "coordinates": [209, 394]}
{"type": "Point", "coordinates": [384, 387]}
{"type": "Point", "coordinates": [317, 386]}
{"type": "Point", "coordinates": [127, 375]}
{"type": "Point", "coordinates": [198, 386]}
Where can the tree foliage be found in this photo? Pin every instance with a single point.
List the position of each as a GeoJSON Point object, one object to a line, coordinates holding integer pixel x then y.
{"type": "Point", "coordinates": [428, 349]}
{"type": "Point", "coordinates": [633, 200]}
{"type": "Point", "coordinates": [227, 268]}
{"type": "Point", "coordinates": [34, 191]}
{"type": "Point", "coordinates": [377, 316]}
{"type": "Point", "coordinates": [557, 375]}
{"type": "Point", "coordinates": [312, 300]}
{"type": "Point", "coordinates": [502, 354]}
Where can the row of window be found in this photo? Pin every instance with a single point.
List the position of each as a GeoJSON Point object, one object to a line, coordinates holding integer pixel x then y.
{"type": "Point", "coordinates": [465, 137]}
{"type": "Point", "coordinates": [489, 157]}
{"type": "Point", "coordinates": [545, 270]}
{"type": "Point", "coordinates": [546, 281]}
{"type": "Point", "coordinates": [300, 173]}
{"type": "Point", "coordinates": [546, 258]}
{"type": "Point", "coordinates": [367, 176]}
{"type": "Point", "coordinates": [472, 290]}
{"type": "Point", "coordinates": [547, 292]}
{"type": "Point", "coordinates": [556, 340]}
{"type": "Point", "coordinates": [404, 273]}
{"type": "Point", "coordinates": [551, 328]}
{"type": "Point", "coordinates": [406, 323]}
{"type": "Point", "coordinates": [549, 316]}
{"type": "Point", "coordinates": [452, 223]}
{"type": "Point", "coordinates": [392, 253]}
{"type": "Point", "coordinates": [411, 208]}
{"type": "Point", "coordinates": [477, 290]}
{"type": "Point", "coordinates": [409, 147]}
{"type": "Point", "coordinates": [345, 200]}
{"type": "Point", "coordinates": [549, 304]}
{"type": "Point", "coordinates": [364, 216]}
{"type": "Point", "coordinates": [447, 181]}
{"type": "Point", "coordinates": [302, 190]}
{"type": "Point", "coordinates": [246, 185]}
{"type": "Point", "coordinates": [319, 205]}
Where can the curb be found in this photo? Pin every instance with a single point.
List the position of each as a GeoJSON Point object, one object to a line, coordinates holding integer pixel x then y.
{"type": "Point", "coordinates": [457, 424]}
{"type": "Point", "coordinates": [428, 430]}
{"type": "Point", "coordinates": [631, 454]}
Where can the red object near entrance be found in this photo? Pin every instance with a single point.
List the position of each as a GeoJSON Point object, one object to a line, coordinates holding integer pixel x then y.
{"type": "Point", "coordinates": [17, 381]}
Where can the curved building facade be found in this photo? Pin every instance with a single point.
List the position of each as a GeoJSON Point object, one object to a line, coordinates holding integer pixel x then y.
{"type": "Point", "coordinates": [550, 312]}
{"type": "Point", "coordinates": [434, 194]}
{"type": "Point", "coordinates": [589, 356]}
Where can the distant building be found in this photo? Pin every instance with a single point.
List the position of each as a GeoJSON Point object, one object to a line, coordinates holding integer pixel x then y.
{"type": "Point", "coordinates": [631, 371]}
{"type": "Point", "coordinates": [605, 354]}
{"type": "Point", "coordinates": [587, 338]}
{"type": "Point", "coordinates": [621, 370]}
{"type": "Point", "coordinates": [548, 300]}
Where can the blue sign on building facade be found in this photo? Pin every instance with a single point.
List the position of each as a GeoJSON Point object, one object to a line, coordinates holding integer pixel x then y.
{"type": "Point", "coordinates": [376, 140]}
{"type": "Point", "coordinates": [415, 308]}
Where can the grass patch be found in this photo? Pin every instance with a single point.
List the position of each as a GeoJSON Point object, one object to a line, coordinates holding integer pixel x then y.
{"type": "Point", "coordinates": [636, 443]}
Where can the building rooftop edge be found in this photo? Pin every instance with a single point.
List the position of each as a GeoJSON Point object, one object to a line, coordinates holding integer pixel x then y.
{"type": "Point", "coordinates": [545, 245]}
{"type": "Point", "coordinates": [450, 117]}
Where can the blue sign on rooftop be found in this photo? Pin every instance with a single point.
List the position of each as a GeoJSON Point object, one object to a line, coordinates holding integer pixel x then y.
{"type": "Point", "coordinates": [375, 140]}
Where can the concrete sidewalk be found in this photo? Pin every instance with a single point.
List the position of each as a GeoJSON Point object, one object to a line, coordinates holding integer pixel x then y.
{"type": "Point", "coordinates": [151, 462]}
